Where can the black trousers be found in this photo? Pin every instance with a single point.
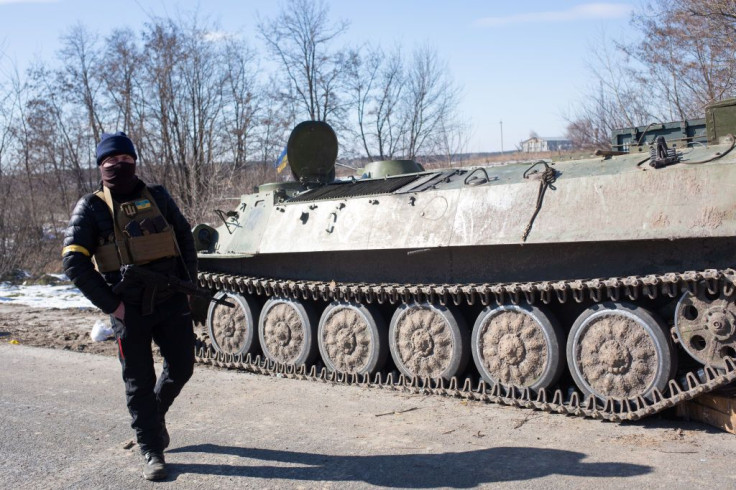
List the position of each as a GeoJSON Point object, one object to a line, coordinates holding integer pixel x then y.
{"type": "Point", "coordinates": [170, 326]}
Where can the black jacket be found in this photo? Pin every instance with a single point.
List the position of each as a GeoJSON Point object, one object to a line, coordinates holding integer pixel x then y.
{"type": "Point", "coordinates": [91, 223]}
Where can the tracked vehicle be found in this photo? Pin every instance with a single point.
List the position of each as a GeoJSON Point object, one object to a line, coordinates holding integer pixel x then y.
{"type": "Point", "coordinates": [600, 287]}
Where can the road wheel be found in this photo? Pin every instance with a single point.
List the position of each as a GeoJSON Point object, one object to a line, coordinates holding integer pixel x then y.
{"type": "Point", "coordinates": [518, 345]}
{"type": "Point", "coordinates": [233, 330]}
{"type": "Point", "coordinates": [428, 340]}
{"type": "Point", "coordinates": [288, 331]}
{"type": "Point", "coordinates": [619, 350]}
{"type": "Point", "coordinates": [353, 338]}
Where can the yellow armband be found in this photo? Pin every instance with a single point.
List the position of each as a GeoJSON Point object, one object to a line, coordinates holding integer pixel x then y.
{"type": "Point", "coordinates": [75, 248]}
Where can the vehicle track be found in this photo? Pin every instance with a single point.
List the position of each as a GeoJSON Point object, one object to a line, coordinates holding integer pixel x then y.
{"type": "Point", "coordinates": [561, 400]}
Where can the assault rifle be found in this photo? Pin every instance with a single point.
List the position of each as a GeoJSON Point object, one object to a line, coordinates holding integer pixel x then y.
{"type": "Point", "coordinates": [151, 282]}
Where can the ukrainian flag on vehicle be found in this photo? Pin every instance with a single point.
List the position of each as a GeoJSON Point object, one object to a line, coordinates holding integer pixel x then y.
{"type": "Point", "coordinates": [281, 161]}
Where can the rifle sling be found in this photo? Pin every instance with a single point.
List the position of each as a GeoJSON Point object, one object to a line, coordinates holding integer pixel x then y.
{"type": "Point", "coordinates": [148, 299]}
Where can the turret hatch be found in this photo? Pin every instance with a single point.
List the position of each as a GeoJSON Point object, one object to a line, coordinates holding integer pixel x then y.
{"type": "Point", "coordinates": [312, 152]}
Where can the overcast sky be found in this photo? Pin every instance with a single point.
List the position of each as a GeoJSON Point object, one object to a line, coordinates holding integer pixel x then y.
{"type": "Point", "coordinates": [520, 62]}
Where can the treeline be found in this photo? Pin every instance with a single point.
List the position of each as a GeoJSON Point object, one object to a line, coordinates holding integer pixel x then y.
{"type": "Point", "coordinates": [684, 59]}
{"type": "Point", "coordinates": [207, 112]}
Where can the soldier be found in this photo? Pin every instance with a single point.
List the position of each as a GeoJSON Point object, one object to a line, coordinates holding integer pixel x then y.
{"type": "Point", "coordinates": [128, 222]}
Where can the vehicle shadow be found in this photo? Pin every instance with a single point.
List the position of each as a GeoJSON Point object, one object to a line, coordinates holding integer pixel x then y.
{"type": "Point", "coordinates": [455, 470]}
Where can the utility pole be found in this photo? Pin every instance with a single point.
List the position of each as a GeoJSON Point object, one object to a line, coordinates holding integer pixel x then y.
{"type": "Point", "coordinates": [501, 123]}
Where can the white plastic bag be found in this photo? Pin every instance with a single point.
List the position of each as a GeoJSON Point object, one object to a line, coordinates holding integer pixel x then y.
{"type": "Point", "coordinates": [101, 331]}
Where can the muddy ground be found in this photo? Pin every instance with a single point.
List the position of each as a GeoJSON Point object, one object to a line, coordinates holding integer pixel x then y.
{"type": "Point", "coordinates": [67, 329]}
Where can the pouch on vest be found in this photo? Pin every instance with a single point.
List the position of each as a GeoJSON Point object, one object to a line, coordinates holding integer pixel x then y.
{"type": "Point", "coordinates": [106, 258]}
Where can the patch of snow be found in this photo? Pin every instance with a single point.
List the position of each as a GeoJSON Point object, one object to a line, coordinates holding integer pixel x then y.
{"type": "Point", "coordinates": [61, 296]}
{"type": "Point", "coordinates": [61, 276]}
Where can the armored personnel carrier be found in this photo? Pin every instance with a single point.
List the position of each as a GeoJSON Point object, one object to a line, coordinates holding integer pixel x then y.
{"type": "Point", "coordinates": [600, 287]}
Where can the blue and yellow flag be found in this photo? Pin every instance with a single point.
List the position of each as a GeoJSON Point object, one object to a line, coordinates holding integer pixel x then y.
{"type": "Point", "coordinates": [281, 161]}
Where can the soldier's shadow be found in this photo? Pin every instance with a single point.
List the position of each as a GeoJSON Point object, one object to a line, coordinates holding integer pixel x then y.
{"type": "Point", "coordinates": [456, 470]}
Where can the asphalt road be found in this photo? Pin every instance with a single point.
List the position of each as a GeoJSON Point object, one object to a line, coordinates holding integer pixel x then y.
{"type": "Point", "coordinates": [64, 424]}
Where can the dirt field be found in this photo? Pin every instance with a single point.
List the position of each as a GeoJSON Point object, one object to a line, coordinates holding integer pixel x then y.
{"type": "Point", "coordinates": [66, 329]}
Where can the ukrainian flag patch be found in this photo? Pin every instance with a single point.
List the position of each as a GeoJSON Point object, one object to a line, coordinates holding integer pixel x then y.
{"type": "Point", "coordinates": [142, 204]}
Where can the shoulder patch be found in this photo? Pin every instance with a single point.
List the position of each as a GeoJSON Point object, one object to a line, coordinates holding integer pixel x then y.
{"type": "Point", "coordinates": [142, 204]}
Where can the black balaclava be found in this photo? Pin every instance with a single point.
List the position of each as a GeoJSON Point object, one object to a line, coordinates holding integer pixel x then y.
{"type": "Point", "coordinates": [120, 178]}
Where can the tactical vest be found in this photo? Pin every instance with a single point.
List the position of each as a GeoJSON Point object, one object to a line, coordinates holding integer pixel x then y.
{"type": "Point", "coordinates": [141, 233]}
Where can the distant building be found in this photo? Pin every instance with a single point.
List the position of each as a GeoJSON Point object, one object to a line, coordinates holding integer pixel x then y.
{"type": "Point", "coordinates": [537, 143]}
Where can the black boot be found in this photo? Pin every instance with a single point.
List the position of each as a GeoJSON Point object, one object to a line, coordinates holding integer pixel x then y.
{"type": "Point", "coordinates": [155, 466]}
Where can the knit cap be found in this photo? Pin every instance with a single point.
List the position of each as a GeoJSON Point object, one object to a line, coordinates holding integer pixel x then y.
{"type": "Point", "coordinates": [114, 144]}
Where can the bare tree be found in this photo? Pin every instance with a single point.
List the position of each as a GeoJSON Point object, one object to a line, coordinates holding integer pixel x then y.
{"type": "Point", "coordinates": [617, 98]}
{"type": "Point", "coordinates": [387, 122]}
{"type": "Point", "coordinates": [612, 105]}
{"type": "Point", "coordinates": [690, 59]}
{"type": "Point", "coordinates": [429, 99]}
{"type": "Point", "coordinates": [7, 233]}
{"type": "Point", "coordinates": [361, 79]}
{"type": "Point", "coordinates": [77, 78]}
{"type": "Point", "coordinates": [300, 37]}
{"type": "Point", "coordinates": [184, 99]}
{"type": "Point", "coordinates": [62, 128]}
{"type": "Point", "coordinates": [721, 15]}
{"type": "Point", "coordinates": [121, 78]}
{"type": "Point", "coordinates": [453, 138]}
{"type": "Point", "coordinates": [404, 110]}
{"type": "Point", "coordinates": [242, 101]}
{"type": "Point", "coordinates": [31, 193]}
{"type": "Point", "coordinates": [376, 83]}
{"type": "Point", "coordinates": [684, 60]}
{"type": "Point", "coordinates": [7, 115]}
{"type": "Point", "coordinates": [278, 117]}
{"type": "Point", "coordinates": [21, 133]}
